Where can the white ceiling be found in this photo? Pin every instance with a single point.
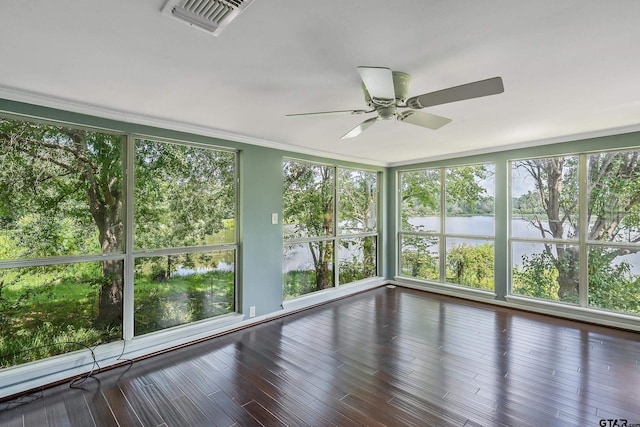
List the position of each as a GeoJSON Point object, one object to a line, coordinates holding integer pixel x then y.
{"type": "Point", "coordinates": [570, 68]}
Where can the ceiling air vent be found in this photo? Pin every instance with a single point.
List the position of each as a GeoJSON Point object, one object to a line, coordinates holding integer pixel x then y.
{"type": "Point", "coordinates": [208, 15]}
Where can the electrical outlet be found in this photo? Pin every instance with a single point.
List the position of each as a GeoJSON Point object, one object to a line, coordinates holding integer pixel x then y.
{"type": "Point", "coordinates": [252, 311]}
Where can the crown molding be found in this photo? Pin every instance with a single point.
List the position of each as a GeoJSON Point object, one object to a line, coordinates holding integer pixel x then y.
{"type": "Point", "coordinates": [43, 100]}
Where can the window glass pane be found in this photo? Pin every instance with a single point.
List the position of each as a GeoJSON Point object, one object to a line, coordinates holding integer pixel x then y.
{"type": "Point", "coordinates": [470, 262]}
{"type": "Point", "coordinates": [178, 289]}
{"type": "Point", "coordinates": [61, 191]}
{"type": "Point", "coordinates": [544, 195]}
{"type": "Point", "coordinates": [357, 201]}
{"type": "Point", "coordinates": [420, 200]}
{"type": "Point", "coordinates": [184, 196]}
{"type": "Point", "coordinates": [55, 309]}
{"type": "Point", "coordinates": [419, 257]}
{"type": "Point", "coordinates": [549, 271]}
{"type": "Point", "coordinates": [356, 259]}
{"type": "Point", "coordinates": [469, 195]}
{"type": "Point", "coordinates": [614, 279]}
{"type": "Point", "coordinates": [307, 267]}
{"type": "Point", "coordinates": [614, 197]}
{"type": "Point", "coordinates": [308, 200]}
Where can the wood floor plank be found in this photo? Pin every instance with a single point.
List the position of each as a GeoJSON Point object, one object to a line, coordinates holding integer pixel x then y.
{"type": "Point", "coordinates": [122, 409]}
{"type": "Point", "coordinates": [145, 411]}
{"type": "Point", "coordinates": [233, 409]}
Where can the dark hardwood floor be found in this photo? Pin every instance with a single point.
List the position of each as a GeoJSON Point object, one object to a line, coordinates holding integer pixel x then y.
{"type": "Point", "coordinates": [389, 357]}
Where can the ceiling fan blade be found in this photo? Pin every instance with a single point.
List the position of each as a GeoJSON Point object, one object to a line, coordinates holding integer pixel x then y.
{"type": "Point", "coordinates": [477, 89]}
{"type": "Point", "coordinates": [379, 82]}
{"type": "Point", "coordinates": [360, 128]}
{"type": "Point", "coordinates": [331, 112]}
{"type": "Point", "coordinates": [426, 120]}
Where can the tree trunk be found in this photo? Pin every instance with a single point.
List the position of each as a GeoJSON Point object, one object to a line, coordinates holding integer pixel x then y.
{"type": "Point", "coordinates": [567, 263]}
{"type": "Point", "coordinates": [110, 296]}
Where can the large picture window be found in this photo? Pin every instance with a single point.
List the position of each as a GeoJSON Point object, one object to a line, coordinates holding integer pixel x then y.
{"type": "Point", "coordinates": [576, 230]}
{"type": "Point", "coordinates": [184, 214]}
{"type": "Point", "coordinates": [62, 239]}
{"type": "Point", "coordinates": [65, 240]}
{"type": "Point", "coordinates": [330, 219]}
{"type": "Point", "coordinates": [447, 225]}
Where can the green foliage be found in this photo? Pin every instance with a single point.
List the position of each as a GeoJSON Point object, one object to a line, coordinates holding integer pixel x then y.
{"type": "Point", "coordinates": [612, 286]}
{"type": "Point", "coordinates": [358, 261]}
{"type": "Point", "coordinates": [613, 188]}
{"type": "Point", "coordinates": [465, 192]}
{"type": "Point", "coordinates": [167, 178]}
{"type": "Point", "coordinates": [182, 299]}
{"type": "Point", "coordinates": [420, 192]}
{"type": "Point", "coordinates": [28, 345]}
{"type": "Point", "coordinates": [358, 200]}
{"type": "Point", "coordinates": [308, 199]}
{"type": "Point", "coordinates": [471, 265]}
{"type": "Point", "coordinates": [62, 194]}
{"type": "Point", "coordinates": [418, 257]}
{"type": "Point", "coordinates": [537, 278]}
{"type": "Point", "coordinates": [298, 282]}
{"type": "Point", "coordinates": [43, 308]}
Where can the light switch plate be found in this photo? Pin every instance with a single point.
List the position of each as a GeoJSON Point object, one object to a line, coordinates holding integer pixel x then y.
{"type": "Point", "coordinates": [274, 218]}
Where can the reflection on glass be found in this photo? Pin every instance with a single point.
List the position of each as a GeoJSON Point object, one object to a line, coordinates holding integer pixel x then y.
{"type": "Point", "coordinates": [356, 259]}
{"type": "Point", "coordinates": [420, 198]}
{"type": "Point", "coordinates": [549, 271]}
{"type": "Point", "coordinates": [357, 201]}
{"type": "Point", "coordinates": [183, 196]}
{"type": "Point", "coordinates": [470, 263]}
{"type": "Point", "coordinates": [419, 257]}
{"type": "Point", "coordinates": [614, 279]}
{"type": "Point", "coordinates": [544, 194]}
{"type": "Point", "coordinates": [307, 267]}
{"type": "Point", "coordinates": [178, 289]}
{"type": "Point", "coordinates": [44, 309]}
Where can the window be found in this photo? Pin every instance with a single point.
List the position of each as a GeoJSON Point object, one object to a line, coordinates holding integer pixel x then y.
{"type": "Point", "coordinates": [65, 239]}
{"type": "Point", "coordinates": [62, 239]}
{"type": "Point", "coordinates": [330, 217]}
{"type": "Point", "coordinates": [544, 224]}
{"type": "Point", "coordinates": [184, 215]}
{"type": "Point", "coordinates": [576, 240]}
{"type": "Point", "coordinates": [447, 225]}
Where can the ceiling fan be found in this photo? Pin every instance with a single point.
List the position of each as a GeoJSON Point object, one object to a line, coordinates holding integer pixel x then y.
{"type": "Point", "coordinates": [386, 91]}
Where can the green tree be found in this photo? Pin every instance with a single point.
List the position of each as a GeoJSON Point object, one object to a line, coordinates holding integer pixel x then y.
{"type": "Point", "coordinates": [308, 200]}
{"type": "Point", "coordinates": [613, 212]}
{"type": "Point", "coordinates": [62, 193]}
{"type": "Point", "coordinates": [471, 265]}
{"type": "Point", "coordinates": [51, 172]}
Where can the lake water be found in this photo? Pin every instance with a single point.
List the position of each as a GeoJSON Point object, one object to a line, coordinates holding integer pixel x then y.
{"type": "Point", "coordinates": [470, 225]}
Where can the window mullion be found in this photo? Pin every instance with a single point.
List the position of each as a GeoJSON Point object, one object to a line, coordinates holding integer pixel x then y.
{"type": "Point", "coordinates": [128, 291]}
{"type": "Point", "coordinates": [336, 204]}
{"type": "Point", "coordinates": [442, 249]}
{"type": "Point", "coordinates": [583, 195]}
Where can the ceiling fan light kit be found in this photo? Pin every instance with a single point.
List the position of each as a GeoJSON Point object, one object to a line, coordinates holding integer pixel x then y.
{"type": "Point", "coordinates": [386, 91]}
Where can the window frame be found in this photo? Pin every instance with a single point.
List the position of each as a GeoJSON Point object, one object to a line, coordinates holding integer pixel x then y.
{"type": "Point", "coordinates": [581, 241]}
{"type": "Point", "coordinates": [336, 237]}
{"type": "Point", "coordinates": [127, 254]}
{"type": "Point", "coordinates": [442, 234]}
{"type": "Point", "coordinates": [132, 254]}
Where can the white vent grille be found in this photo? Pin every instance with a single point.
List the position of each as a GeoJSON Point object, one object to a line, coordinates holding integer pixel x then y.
{"type": "Point", "coordinates": [209, 15]}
